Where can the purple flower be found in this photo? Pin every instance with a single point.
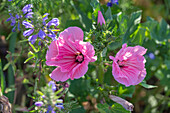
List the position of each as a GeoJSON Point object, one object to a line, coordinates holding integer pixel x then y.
{"type": "Point", "coordinates": [27, 24]}
{"type": "Point", "coordinates": [9, 0]}
{"type": "Point", "coordinates": [43, 96]}
{"type": "Point", "coordinates": [53, 86]}
{"type": "Point", "coordinates": [32, 38]}
{"type": "Point", "coordinates": [18, 16]}
{"type": "Point", "coordinates": [27, 8]}
{"type": "Point", "coordinates": [45, 17]}
{"type": "Point", "coordinates": [39, 103]}
{"type": "Point", "coordinates": [13, 29]}
{"type": "Point", "coordinates": [13, 20]}
{"type": "Point", "coordinates": [53, 22]}
{"type": "Point", "coordinates": [28, 32]}
{"type": "Point", "coordinates": [59, 104]}
{"type": "Point", "coordinates": [28, 11]}
{"type": "Point", "coordinates": [109, 4]}
{"type": "Point", "coordinates": [41, 34]}
{"type": "Point", "coordinates": [50, 110]}
{"type": "Point", "coordinates": [51, 34]}
{"type": "Point", "coordinates": [151, 56]}
{"type": "Point", "coordinates": [29, 15]}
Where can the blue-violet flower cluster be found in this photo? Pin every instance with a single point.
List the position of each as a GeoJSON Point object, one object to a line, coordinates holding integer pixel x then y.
{"type": "Point", "coordinates": [41, 33]}
{"type": "Point", "coordinates": [109, 4]}
{"type": "Point", "coordinates": [16, 19]}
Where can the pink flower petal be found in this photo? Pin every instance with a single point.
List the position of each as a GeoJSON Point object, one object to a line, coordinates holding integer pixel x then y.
{"type": "Point", "coordinates": [52, 53]}
{"type": "Point", "coordinates": [123, 80]}
{"type": "Point", "coordinates": [141, 76]}
{"type": "Point", "coordinates": [93, 59]}
{"type": "Point", "coordinates": [89, 50]}
{"type": "Point", "coordinates": [119, 54]}
{"type": "Point", "coordinates": [137, 62]}
{"type": "Point", "coordinates": [66, 66]}
{"type": "Point", "coordinates": [128, 66]}
{"type": "Point", "coordinates": [139, 50]}
{"type": "Point", "coordinates": [115, 69]}
{"type": "Point", "coordinates": [70, 54]}
{"type": "Point", "coordinates": [131, 73]}
{"type": "Point", "coordinates": [51, 62]}
{"type": "Point", "coordinates": [79, 71]}
{"type": "Point", "coordinates": [57, 75]}
{"type": "Point", "coordinates": [67, 54]}
{"type": "Point", "coordinates": [73, 33]}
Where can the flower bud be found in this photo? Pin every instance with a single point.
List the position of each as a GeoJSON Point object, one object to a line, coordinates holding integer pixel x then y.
{"type": "Point", "coordinates": [127, 105]}
{"type": "Point", "coordinates": [39, 103]}
{"type": "Point", "coordinates": [101, 19]}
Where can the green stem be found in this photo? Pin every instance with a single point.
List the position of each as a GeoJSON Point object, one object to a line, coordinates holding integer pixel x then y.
{"type": "Point", "coordinates": [100, 70]}
{"type": "Point", "coordinates": [11, 79]}
{"type": "Point", "coordinates": [2, 79]}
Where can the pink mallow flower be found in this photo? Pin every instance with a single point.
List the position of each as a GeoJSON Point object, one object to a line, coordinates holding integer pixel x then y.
{"type": "Point", "coordinates": [70, 54]}
{"type": "Point", "coordinates": [100, 19]}
{"type": "Point", "coordinates": [128, 66]}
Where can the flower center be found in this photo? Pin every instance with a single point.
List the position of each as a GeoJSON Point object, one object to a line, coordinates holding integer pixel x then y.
{"type": "Point", "coordinates": [121, 63]}
{"type": "Point", "coordinates": [79, 57]}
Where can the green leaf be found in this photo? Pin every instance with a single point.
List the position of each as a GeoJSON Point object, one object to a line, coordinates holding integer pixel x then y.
{"type": "Point", "coordinates": [2, 79]}
{"type": "Point", "coordinates": [28, 59]}
{"type": "Point", "coordinates": [135, 18]}
{"type": "Point", "coordinates": [114, 45]}
{"type": "Point", "coordinates": [59, 91]}
{"type": "Point", "coordinates": [95, 4]}
{"type": "Point", "coordinates": [167, 62]}
{"type": "Point", "coordinates": [40, 93]}
{"type": "Point", "coordinates": [117, 108]}
{"type": "Point", "coordinates": [85, 21]}
{"type": "Point", "coordinates": [143, 83]}
{"type": "Point", "coordinates": [166, 78]}
{"type": "Point", "coordinates": [74, 107]}
{"type": "Point", "coordinates": [11, 79]}
{"type": "Point", "coordinates": [6, 66]}
{"type": "Point", "coordinates": [30, 53]}
{"type": "Point", "coordinates": [25, 81]}
{"type": "Point", "coordinates": [126, 91]}
{"type": "Point", "coordinates": [108, 14]}
{"type": "Point", "coordinates": [104, 52]}
{"type": "Point", "coordinates": [158, 31]}
{"type": "Point", "coordinates": [10, 89]}
{"type": "Point", "coordinates": [74, 23]}
{"type": "Point", "coordinates": [33, 111]}
{"type": "Point", "coordinates": [30, 96]}
{"type": "Point", "coordinates": [132, 24]}
{"type": "Point", "coordinates": [139, 36]}
{"type": "Point", "coordinates": [78, 110]}
{"type": "Point", "coordinates": [103, 108]}
{"type": "Point", "coordinates": [80, 87]}
{"type": "Point", "coordinates": [163, 28]}
{"type": "Point", "coordinates": [108, 77]}
{"type": "Point", "coordinates": [35, 50]}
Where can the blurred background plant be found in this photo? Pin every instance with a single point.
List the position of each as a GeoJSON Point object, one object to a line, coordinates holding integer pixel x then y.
{"type": "Point", "coordinates": [25, 76]}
